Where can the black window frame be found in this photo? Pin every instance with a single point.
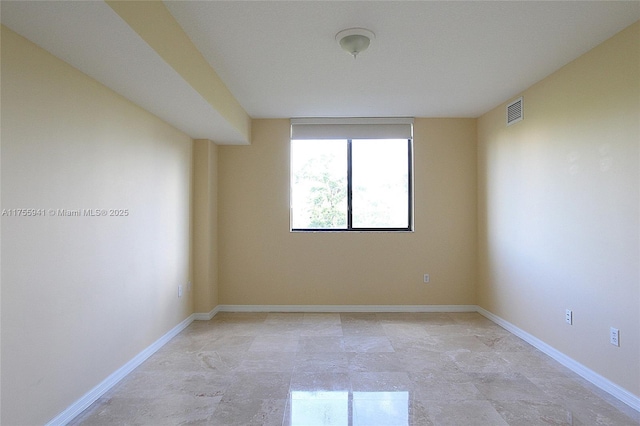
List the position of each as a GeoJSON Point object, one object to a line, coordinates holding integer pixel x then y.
{"type": "Point", "coordinates": [350, 227]}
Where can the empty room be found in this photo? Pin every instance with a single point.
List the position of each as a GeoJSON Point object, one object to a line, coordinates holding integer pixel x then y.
{"type": "Point", "coordinates": [320, 213]}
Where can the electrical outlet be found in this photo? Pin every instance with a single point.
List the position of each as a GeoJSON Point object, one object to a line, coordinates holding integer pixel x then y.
{"type": "Point", "coordinates": [568, 317]}
{"type": "Point", "coordinates": [179, 290]}
{"type": "Point", "coordinates": [426, 278]}
{"type": "Point", "coordinates": [614, 336]}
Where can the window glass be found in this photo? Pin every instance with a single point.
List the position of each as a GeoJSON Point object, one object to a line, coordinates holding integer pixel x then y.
{"type": "Point", "coordinates": [380, 174]}
{"type": "Point", "coordinates": [344, 184]}
{"type": "Point", "coordinates": [319, 184]}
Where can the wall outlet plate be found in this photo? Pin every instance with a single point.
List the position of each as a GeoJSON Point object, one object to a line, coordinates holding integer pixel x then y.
{"type": "Point", "coordinates": [426, 278]}
{"type": "Point", "coordinates": [614, 336]}
{"type": "Point", "coordinates": [568, 316]}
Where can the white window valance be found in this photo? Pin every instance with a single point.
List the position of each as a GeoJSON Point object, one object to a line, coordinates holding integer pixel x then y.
{"type": "Point", "coordinates": [351, 128]}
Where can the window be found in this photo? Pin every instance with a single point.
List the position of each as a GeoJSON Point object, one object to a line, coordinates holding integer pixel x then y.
{"type": "Point", "coordinates": [351, 175]}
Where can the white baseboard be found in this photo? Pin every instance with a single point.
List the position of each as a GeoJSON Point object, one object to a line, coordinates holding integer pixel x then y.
{"type": "Point", "coordinates": [206, 316]}
{"type": "Point", "coordinates": [603, 383]}
{"type": "Point", "coordinates": [347, 308]}
{"type": "Point", "coordinates": [92, 396]}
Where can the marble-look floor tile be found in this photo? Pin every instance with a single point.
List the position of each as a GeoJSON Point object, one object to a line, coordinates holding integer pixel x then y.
{"type": "Point", "coordinates": [479, 362]}
{"type": "Point", "coordinates": [375, 362]}
{"type": "Point", "coordinates": [381, 382]}
{"type": "Point", "coordinates": [471, 318]}
{"type": "Point", "coordinates": [274, 343]}
{"type": "Point", "coordinates": [451, 374]}
{"type": "Point", "coordinates": [363, 329]}
{"type": "Point", "coordinates": [187, 342]}
{"type": "Point", "coordinates": [108, 411]}
{"type": "Point", "coordinates": [444, 387]}
{"type": "Point", "coordinates": [535, 413]}
{"type": "Point", "coordinates": [468, 329]}
{"type": "Point", "coordinates": [367, 344]}
{"type": "Point", "coordinates": [220, 361]}
{"type": "Point", "coordinates": [237, 329]}
{"type": "Point", "coordinates": [258, 386]}
{"type": "Point", "coordinates": [422, 318]}
{"type": "Point", "coordinates": [425, 361]}
{"type": "Point", "coordinates": [504, 343]}
{"type": "Point", "coordinates": [173, 360]}
{"type": "Point", "coordinates": [305, 381]}
{"type": "Point", "coordinates": [154, 384]}
{"type": "Point", "coordinates": [284, 318]}
{"type": "Point", "coordinates": [177, 409]}
{"type": "Point", "coordinates": [330, 329]}
{"type": "Point", "coordinates": [322, 362]}
{"type": "Point", "coordinates": [292, 329]}
{"type": "Point", "coordinates": [249, 412]}
{"type": "Point", "coordinates": [419, 413]}
{"type": "Point", "coordinates": [414, 344]}
{"type": "Point", "coordinates": [170, 410]}
{"type": "Point", "coordinates": [405, 329]}
{"type": "Point", "coordinates": [507, 387]}
{"type": "Point", "coordinates": [565, 388]}
{"type": "Point", "coordinates": [361, 324]}
{"type": "Point", "coordinates": [533, 364]}
{"type": "Point", "coordinates": [227, 343]}
{"type": "Point", "coordinates": [618, 406]}
{"type": "Point", "coordinates": [358, 317]}
{"type": "Point", "coordinates": [468, 413]}
{"type": "Point", "coordinates": [461, 343]}
{"type": "Point", "coordinates": [418, 369]}
{"type": "Point", "coordinates": [599, 413]}
{"type": "Point", "coordinates": [321, 318]}
{"type": "Point", "coordinates": [585, 404]}
{"type": "Point", "coordinates": [268, 362]}
{"type": "Point", "coordinates": [321, 344]}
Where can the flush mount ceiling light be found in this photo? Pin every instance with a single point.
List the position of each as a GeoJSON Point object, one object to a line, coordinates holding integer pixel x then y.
{"type": "Point", "coordinates": [355, 40]}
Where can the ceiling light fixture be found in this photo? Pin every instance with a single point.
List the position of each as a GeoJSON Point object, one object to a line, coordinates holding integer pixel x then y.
{"type": "Point", "coordinates": [355, 40]}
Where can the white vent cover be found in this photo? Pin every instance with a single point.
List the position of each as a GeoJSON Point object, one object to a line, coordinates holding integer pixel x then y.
{"type": "Point", "coordinates": [515, 112]}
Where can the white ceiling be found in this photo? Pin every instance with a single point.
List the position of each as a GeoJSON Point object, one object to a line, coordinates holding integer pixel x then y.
{"type": "Point", "coordinates": [280, 59]}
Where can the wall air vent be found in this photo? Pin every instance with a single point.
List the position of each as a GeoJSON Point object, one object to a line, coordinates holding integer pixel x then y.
{"type": "Point", "coordinates": [515, 112]}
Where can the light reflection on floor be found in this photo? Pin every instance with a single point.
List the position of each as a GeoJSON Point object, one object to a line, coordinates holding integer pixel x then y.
{"type": "Point", "coordinates": [343, 408]}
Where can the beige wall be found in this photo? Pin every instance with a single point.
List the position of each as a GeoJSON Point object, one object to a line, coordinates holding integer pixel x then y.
{"type": "Point", "coordinates": [205, 225]}
{"type": "Point", "coordinates": [559, 210]}
{"type": "Point", "coordinates": [261, 262]}
{"type": "Point", "coordinates": [81, 296]}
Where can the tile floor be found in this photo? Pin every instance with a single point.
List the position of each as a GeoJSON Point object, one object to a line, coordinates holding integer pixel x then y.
{"type": "Point", "coordinates": [353, 369]}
